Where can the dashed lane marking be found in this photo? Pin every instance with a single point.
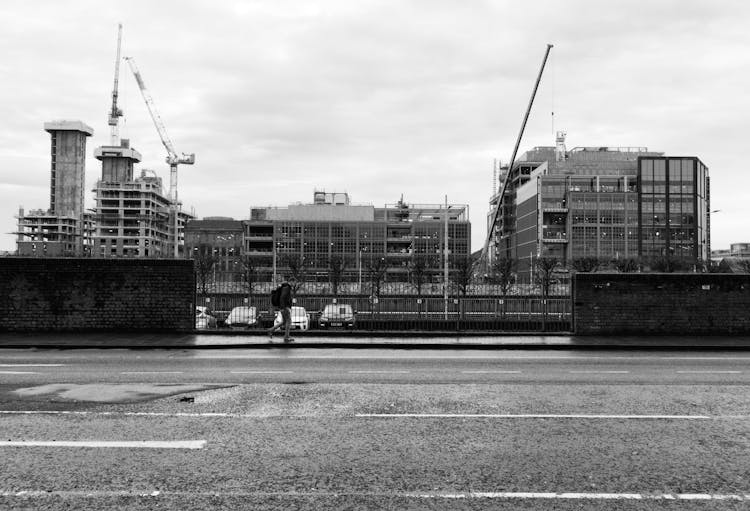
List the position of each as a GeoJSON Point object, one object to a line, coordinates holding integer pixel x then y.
{"type": "Point", "coordinates": [152, 372]}
{"type": "Point", "coordinates": [491, 372]}
{"type": "Point", "coordinates": [500, 495]}
{"type": "Point", "coordinates": [526, 416]}
{"type": "Point", "coordinates": [709, 372]}
{"type": "Point", "coordinates": [599, 372]}
{"type": "Point", "coordinates": [18, 372]}
{"type": "Point", "coordinates": [31, 365]}
{"type": "Point", "coordinates": [261, 372]}
{"type": "Point", "coordinates": [135, 444]}
{"type": "Point", "coordinates": [378, 372]}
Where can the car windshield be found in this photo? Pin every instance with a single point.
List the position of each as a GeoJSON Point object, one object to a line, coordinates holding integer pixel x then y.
{"type": "Point", "coordinates": [242, 312]}
{"type": "Point", "coordinates": [336, 309]}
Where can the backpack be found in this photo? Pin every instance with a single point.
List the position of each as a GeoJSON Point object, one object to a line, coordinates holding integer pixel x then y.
{"type": "Point", "coordinates": [276, 297]}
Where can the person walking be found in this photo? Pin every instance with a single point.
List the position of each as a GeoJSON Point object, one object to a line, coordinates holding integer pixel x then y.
{"type": "Point", "coordinates": [285, 306]}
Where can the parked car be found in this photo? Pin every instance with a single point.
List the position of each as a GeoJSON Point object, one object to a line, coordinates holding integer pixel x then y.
{"type": "Point", "coordinates": [336, 315]}
{"type": "Point", "coordinates": [242, 317]}
{"type": "Point", "coordinates": [203, 318]}
{"type": "Point", "coordinates": [300, 318]}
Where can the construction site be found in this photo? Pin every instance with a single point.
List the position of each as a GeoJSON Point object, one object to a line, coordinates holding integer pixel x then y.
{"type": "Point", "coordinates": [132, 215]}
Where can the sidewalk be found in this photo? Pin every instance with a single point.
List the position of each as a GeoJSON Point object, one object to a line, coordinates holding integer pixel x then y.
{"type": "Point", "coordinates": [403, 340]}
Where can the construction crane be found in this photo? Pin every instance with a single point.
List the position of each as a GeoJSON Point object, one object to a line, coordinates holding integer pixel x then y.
{"type": "Point", "coordinates": [484, 258]}
{"type": "Point", "coordinates": [173, 159]}
{"type": "Point", "coordinates": [115, 112]}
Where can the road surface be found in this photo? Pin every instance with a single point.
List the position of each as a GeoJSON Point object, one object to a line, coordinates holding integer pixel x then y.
{"type": "Point", "coordinates": [374, 429]}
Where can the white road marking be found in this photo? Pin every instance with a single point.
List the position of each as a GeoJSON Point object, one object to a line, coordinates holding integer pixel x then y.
{"type": "Point", "coordinates": [261, 372]}
{"type": "Point", "coordinates": [93, 493]}
{"type": "Point", "coordinates": [378, 372]}
{"type": "Point", "coordinates": [151, 372]}
{"type": "Point", "coordinates": [378, 415]}
{"type": "Point", "coordinates": [136, 444]}
{"type": "Point", "coordinates": [599, 372]}
{"type": "Point", "coordinates": [524, 416]}
{"type": "Point", "coordinates": [130, 414]}
{"type": "Point", "coordinates": [708, 372]}
{"type": "Point", "coordinates": [490, 372]}
{"type": "Point", "coordinates": [494, 356]}
{"type": "Point", "coordinates": [31, 365]}
{"type": "Point", "coordinates": [17, 372]}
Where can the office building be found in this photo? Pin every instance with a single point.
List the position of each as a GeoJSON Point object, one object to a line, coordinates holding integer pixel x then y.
{"type": "Point", "coordinates": [330, 228]}
{"type": "Point", "coordinates": [607, 203]}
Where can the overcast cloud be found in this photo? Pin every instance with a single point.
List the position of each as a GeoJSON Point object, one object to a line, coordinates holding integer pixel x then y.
{"type": "Point", "coordinates": [375, 98]}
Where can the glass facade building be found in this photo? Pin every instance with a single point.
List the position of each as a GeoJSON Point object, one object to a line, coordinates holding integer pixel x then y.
{"type": "Point", "coordinates": [360, 237]}
{"type": "Point", "coordinates": [673, 208]}
{"type": "Point", "coordinates": [604, 203]}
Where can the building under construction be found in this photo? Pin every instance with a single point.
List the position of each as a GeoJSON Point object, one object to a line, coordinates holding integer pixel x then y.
{"type": "Point", "coordinates": [133, 217]}
{"type": "Point", "coordinates": [64, 228]}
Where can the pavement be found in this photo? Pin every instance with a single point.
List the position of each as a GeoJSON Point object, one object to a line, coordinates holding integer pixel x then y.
{"type": "Point", "coordinates": [347, 339]}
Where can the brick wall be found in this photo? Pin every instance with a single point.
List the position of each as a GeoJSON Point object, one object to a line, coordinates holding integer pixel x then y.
{"type": "Point", "coordinates": [51, 294]}
{"type": "Point", "coordinates": [661, 303]}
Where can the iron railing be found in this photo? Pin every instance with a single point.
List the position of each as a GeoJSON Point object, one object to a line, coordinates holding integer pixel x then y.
{"type": "Point", "coordinates": [481, 309]}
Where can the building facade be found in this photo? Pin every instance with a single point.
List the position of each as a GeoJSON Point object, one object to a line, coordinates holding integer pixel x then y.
{"type": "Point", "coordinates": [607, 203]}
{"type": "Point", "coordinates": [331, 230]}
{"type": "Point", "coordinates": [62, 229]}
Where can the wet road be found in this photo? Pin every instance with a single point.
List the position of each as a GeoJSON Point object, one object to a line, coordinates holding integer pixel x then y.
{"type": "Point", "coordinates": [374, 429]}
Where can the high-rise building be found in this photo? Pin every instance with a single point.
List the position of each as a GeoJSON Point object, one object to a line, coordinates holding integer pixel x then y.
{"type": "Point", "coordinates": [60, 230]}
{"type": "Point", "coordinates": [133, 216]}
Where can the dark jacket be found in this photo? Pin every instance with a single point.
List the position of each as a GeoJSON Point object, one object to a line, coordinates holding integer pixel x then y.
{"type": "Point", "coordinates": [285, 300]}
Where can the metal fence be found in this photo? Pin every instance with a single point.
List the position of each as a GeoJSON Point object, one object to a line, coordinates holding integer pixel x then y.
{"type": "Point", "coordinates": [389, 312]}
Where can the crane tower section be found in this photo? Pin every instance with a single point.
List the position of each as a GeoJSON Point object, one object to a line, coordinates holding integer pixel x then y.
{"type": "Point", "coordinates": [115, 112]}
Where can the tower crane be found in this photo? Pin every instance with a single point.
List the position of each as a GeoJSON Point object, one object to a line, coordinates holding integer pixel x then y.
{"type": "Point", "coordinates": [115, 112]}
{"type": "Point", "coordinates": [173, 159]}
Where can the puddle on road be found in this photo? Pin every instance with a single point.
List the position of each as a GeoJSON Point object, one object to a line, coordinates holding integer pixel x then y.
{"type": "Point", "coordinates": [108, 393]}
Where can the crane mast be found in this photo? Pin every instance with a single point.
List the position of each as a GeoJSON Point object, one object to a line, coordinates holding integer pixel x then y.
{"type": "Point", "coordinates": [173, 159]}
{"type": "Point", "coordinates": [496, 210]}
{"type": "Point", "coordinates": [115, 112]}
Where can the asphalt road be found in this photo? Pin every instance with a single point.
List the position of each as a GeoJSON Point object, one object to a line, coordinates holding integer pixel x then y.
{"type": "Point", "coordinates": [374, 429]}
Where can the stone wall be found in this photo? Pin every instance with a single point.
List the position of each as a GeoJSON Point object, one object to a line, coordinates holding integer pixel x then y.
{"type": "Point", "coordinates": [82, 294]}
{"type": "Point", "coordinates": [661, 304]}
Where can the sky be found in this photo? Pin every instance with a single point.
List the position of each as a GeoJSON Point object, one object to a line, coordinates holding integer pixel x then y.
{"type": "Point", "coordinates": [377, 98]}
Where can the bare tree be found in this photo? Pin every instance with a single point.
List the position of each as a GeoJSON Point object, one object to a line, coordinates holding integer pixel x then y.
{"type": "Point", "coordinates": [627, 265]}
{"type": "Point", "coordinates": [461, 273]}
{"type": "Point", "coordinates": [203, 263]}
{"type": "Point", "coordinates": [502, 272]}
{"type": "Point", "coordinates": [544, 269]}
{"type": "Point", "coordinates": [336, 267]}
{"type": "Point", "coordinates": [585, 264]}
{"type": "Point", "coordinates": [376, 270]}
{"type": "Point", "coordinates": [668, 263]}
{"type": "Point", "coordinates": [744, 264]}
{"type": "Point", "coordinates": [297, 268]}
{"type": "Point", "coordinates": [250, 268]}
{"type": "Point", "coordinates": [419, 266]}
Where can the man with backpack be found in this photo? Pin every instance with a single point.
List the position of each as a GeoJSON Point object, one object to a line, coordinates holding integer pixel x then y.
{"type": "Point", "coordinates": [281, 299]}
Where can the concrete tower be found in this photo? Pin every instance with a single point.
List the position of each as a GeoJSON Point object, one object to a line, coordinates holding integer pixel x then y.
{"type": "Point", "coordinates": [62, 229]}
{"type": "Point", "coordinates": [117, 162]}
{"type": "Point", "coordinates": [68, 166]}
